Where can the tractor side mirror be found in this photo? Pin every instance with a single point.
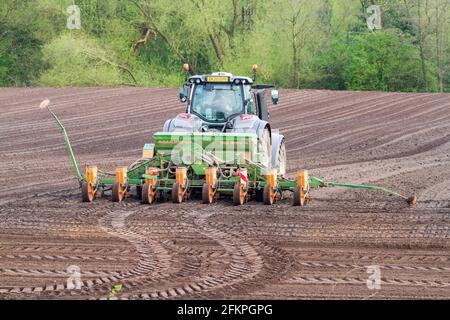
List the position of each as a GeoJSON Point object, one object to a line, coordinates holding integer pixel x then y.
{"type": "Point", "coordinates": [183, 94]}
{"type": "Point", "coordinates": [275, 97]}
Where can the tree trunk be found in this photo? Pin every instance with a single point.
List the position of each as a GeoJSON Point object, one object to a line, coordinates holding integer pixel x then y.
{"type": "Point", "coordinates": [217, 48]}
{"type": "Point", "coordinates": [295, 64]}
{"type": "Point", "coordinates": [424, 67]}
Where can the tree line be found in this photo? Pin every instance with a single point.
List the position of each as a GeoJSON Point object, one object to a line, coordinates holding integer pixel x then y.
{"type": "Point", "coordinates": [322, 44]}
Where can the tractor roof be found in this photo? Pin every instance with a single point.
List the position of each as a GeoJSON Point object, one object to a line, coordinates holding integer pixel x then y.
{"type": "Point", "coordinates": [220, 77]}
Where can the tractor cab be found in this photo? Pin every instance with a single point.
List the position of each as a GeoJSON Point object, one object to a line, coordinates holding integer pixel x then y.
{"type": "Point", "coordinates": [220, 97]}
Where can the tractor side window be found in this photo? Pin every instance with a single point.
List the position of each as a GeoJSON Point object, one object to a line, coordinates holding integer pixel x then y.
{"type": "Point", "coordinates": [251, 102]}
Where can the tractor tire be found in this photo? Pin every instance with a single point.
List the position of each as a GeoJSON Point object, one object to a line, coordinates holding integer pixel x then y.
{"type": "Point", "coordinates": [268, 197]}
{"type": "Point", "coordinates": [177, 193]}
{"type": "Point", "coordinates": [87, 193]}
{"type": "Point", "coordinates": [266, 149]}
{"type": "Point", "coordinates": [238, 195]}
{"type": "Point", "coordinates": [207, 194]}
{"type": "Point", "coordinates": [118, 194]}
{"type": "Point", "coordinates": [282, 160]}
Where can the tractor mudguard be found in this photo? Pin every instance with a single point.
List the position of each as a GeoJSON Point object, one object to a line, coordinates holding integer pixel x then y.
{"type": "Point", "coordinates": [183, 123]}
{"type": "Point", "coordinates": [261, 127]}
{"type": "Point", "coordinates": [167, 125]}
{"type": "Point", "coordinates": [250, 125]}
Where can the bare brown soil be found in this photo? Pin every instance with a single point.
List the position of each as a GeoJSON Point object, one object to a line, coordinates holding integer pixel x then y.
{"type": "Point", "coordinates": [165, 251]}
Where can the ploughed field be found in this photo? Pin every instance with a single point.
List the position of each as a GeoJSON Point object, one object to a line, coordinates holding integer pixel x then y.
{"type": "Point", "coordinates": [333, 248]}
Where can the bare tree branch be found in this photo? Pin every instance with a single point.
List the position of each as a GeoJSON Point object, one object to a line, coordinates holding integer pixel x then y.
{"type": "Point", "coordinates": [140, 43]}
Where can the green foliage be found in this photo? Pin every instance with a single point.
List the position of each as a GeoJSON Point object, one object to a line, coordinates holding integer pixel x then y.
{"type": "Point", "coordinates": [297, 43]}
{"type": "Point", "coordinates": [24, 27]}
{"type": "Point", "coordinates": [384, 61]}
{"type": "Point", "coordinates": [20, 56]}
{"type": "Point", "coordinates": [77, 60]}
{"type": "Point", "coordinates": [154, 74]}
{"type": "Point", "coordinates": [330, 66]}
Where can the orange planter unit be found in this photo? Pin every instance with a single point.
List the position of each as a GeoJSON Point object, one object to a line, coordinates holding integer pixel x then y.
{"type": "Point", "coordinates": [149, 190]}
{"type": "Point", "coordinates": [209, 187]}
{"type": "Point", "coordinates": [271, 178]}
{"type": "Point", "coordinates": [302, 189]}
{"type": "Point", "coordinates": [211, 176]}
{"type": "Point", "coordinates": [89, 189]}
{"type": "Point", "coordinates": [119, 189]}
{"type": "Point", "coordinates": [91, 175]}
{"type": "Point", "coordinates": [121, 175]}
{"type": "Point", "coordinates": [270, 189]}
{"type": "Point", "coordinates": [181, 175]}
{"type": "Point", "coordinates": [303, 179]}
{"type": "Point", "coordinates": [153, 172]}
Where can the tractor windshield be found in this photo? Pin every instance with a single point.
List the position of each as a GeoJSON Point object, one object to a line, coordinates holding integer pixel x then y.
{"type": "Point", "coordinates": [217, 102]}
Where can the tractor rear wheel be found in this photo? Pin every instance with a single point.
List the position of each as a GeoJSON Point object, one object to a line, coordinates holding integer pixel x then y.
{"type": "Point", "coordinates": [299, 198]}
{"type": "Point", "coordinates": [87, 192]}
{"type": "Point", "coordinates": [118, 193]}
{"type": "Point", "coordinates": [207, 194]}
{"type": "Point", "coordinates": [268, 195]}
{"type": "Point", "coordinates": [177, 193]}
{"type": "Point", "coordinates": [239, 195]}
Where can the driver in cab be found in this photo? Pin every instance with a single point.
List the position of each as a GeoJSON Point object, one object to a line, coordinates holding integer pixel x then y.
{"type": "Point", "coordinates": [221, 103]}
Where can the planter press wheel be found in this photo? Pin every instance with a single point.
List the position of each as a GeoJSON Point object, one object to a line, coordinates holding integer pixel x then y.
{"type": "Point", "coordinates": [118, 192]}
{"type": "Point", "coordinates": [299, 197]}
{"type": "Point", "coordinates": [87, 192]}
{"type": "Point", "coordinates": [148, 194]}
{"type": "Point", "coordinates": [268, 195]}
{"type": "Point", "coordinates": [177, 193]}
{"type": "Point", "coordinates": [239, 195]}
{"type": "Point", "coordinates": [207, 194]}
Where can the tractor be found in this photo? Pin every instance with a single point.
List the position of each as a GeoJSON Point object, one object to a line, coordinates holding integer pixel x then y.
{"type": "Point", "coordinates": [221, 146]}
